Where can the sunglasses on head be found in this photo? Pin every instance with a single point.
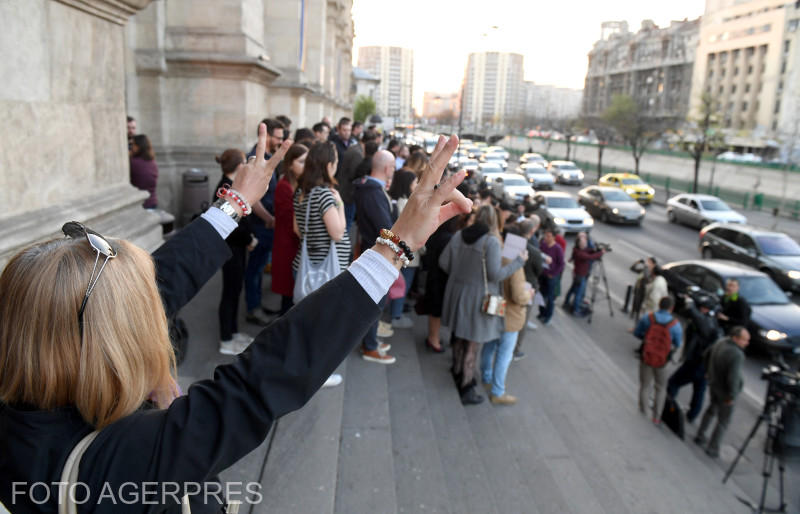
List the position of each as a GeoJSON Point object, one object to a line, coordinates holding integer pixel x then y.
{"type": "Point", "coordinates": [99, 244]}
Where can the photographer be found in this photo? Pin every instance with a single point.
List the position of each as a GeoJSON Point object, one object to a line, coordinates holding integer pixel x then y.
{"type": "Point", "coordinates": [701, 332]}
{"type": "Point", "coordinates": [735, 309]}
{"type": "Point", "coordinates": [724, 362]}
{"type": "Point", "coordinates": [582, 257]}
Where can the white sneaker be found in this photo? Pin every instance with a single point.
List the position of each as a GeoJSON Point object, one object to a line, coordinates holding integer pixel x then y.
{"type": "Point", "coordinates": [532, 325]}
{"type": "Point", "coordinates": [243, 338]}
{"type": "Point", "coordinates": [402, 322]}
{"type": "Point", "coordinates": [231, 347]}
{"type": "Point", "coordinates": [333, 380]}
{"type": "Point", "coordinates": [385, 329]}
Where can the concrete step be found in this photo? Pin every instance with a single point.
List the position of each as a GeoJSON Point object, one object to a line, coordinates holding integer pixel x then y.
{"type": "Point", "coordinates": [300, 471]}
{"type": "Point", "coordinates": [420, 482]}
{"type": "Point", "coordinates": [366, 478]}
{"type": "Point", "coordinates": [468, 485]}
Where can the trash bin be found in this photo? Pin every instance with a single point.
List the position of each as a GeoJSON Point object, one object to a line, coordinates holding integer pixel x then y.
{"type": "Point", "coordinates": [196, 196]}
{"type": "Point", "coordinates": [758, 201]}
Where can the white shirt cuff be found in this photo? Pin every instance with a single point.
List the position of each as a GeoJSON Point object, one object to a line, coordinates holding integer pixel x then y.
{"type": "Point", "coordinates": [221, 222]}
{"type": "Point", "coordinates": [374, 273]}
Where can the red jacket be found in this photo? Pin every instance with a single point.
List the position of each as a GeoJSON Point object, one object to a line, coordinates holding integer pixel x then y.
{"type": "Point", "coordinates": [581, 260]}
{"type": "Point", "coordinates": [286, 243]}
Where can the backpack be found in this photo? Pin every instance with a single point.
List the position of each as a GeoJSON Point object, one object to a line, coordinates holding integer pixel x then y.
{"type": "Point", "coordinates": [657, 343]}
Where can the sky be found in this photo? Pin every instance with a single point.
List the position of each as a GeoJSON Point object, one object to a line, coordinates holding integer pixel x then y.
{"type": "Point", "coordinates": [554, 36]}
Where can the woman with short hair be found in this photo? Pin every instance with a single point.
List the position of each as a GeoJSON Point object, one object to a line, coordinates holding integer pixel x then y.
{"type": "Point", "coordinates": [144, 171]}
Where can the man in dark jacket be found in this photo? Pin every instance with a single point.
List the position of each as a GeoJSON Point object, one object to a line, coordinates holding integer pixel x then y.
{"type": "Point", "coordinates": [341, 138]}
{"type": "Point", "coordinates": [346, 173]}
{"type": "Point", "coordinates": [549, 279]}
{"type": "Point", "coordinates": [582, 257]}
{"type": "Point", "coordinates": [724, 363]}
{"type": "Point", "coordinates": [735, 309]}
{"type": "Point", "coordinates": [375, 212]}
{"type": "Point", "coordinates": [701, 332]}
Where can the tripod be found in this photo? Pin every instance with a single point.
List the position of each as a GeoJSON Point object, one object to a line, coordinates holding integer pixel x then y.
{"type": "Point", "coordinates": [773, 409]}
{"type": "Point", "coordinates": [595, 278]}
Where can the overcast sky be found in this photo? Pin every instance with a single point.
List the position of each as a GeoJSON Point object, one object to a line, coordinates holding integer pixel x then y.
{"type": "Point", "coordinates": [554, 36]}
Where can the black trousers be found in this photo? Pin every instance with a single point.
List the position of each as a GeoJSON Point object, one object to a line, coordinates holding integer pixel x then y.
{"type": "Point", "coordinates": [232, 284]}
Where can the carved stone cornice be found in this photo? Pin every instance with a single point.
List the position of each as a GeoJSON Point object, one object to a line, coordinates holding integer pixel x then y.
{"type": "Point", "coordinates": [213, 65]}
{"type": "Point", "coordinates": [115, 11]}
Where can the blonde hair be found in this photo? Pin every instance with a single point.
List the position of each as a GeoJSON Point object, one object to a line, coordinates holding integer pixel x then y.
{"type": "Point", "coordinates": [125, 354]}
{"type": "Point", "coordinates": [488, 216]}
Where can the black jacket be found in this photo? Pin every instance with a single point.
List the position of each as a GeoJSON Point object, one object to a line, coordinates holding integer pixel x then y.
{"type": "Point", "coordinates": [218, 421]}
{"type": "Point", "coordinates": [737, 311]}
{"type": "Point", "coordinates": [374, 210]}
{"type": "Point", "coordinates": [701, 332]}
{"type": "Point", "coordinates": [346, 172]}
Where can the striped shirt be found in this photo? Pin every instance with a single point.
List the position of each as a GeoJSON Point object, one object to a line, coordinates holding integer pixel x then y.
{"type": "Point", "coordinates": [318, 241]}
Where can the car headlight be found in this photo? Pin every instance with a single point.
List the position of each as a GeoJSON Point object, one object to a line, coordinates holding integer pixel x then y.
{"type": "Point", "coordinates": [651, 191]}
{"type": "Point", "coordinates": [615, 210]}
{"type": "Point", "coordinates": [559, 221]}
{"type": "Point", "coordinates": [642, 211]}
{"type": "Point", "coordinates": [588, 221]}
{"type": "Point", "coordinates": [630, 190]}
{"type": "Point", "coordinates": [794, 275]}
{"type": "Point", "coordinates": [580, 175]}
{"type": "Point", "coordinates": [772, 335]}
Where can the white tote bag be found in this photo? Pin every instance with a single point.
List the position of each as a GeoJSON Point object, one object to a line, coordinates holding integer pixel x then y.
{"type": "Point", "coordinates": [310, 276]}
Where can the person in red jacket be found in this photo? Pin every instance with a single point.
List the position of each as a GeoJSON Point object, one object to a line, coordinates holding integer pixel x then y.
{"type": "Point", "coordinates": [582, 257]}
{"type": "Point", "coordinates": [286, 242]}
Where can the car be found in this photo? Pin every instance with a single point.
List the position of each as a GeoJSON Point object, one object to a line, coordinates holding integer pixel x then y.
{"type": "Point", "coordinates": [498, 150]}
{"type": "Point", "coordinates": [495, 157]}
{"type": "Point", "coordinates": [565, 172]}
{"type": "Point", "coordinates": [563, 211]}
{"type": "Point", "coordinates": [529, 158]}
{"type": "Point", "coordinates": [631, 184]}
{"type": "Point", "coordinates": [701, 210]}
{"type": "Point", "coordinates": [537, 175]}
{"type": "Point", "coordinates": [468, 164]}
{"type": "Point", "coordinates": [513, 185]}
{"type": "Point", "coordinates": [609, 204]}
{"type": "Point", "coordinates": [774, 320]}
{"type": "Point", "coordinates": [774, 253]}
{"type": "Point", "coordinates": [490, 167]}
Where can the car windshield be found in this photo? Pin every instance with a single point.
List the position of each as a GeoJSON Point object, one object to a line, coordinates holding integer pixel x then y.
{"type": "Point", "coordinates": [714, 205]}
{"type": "Point", "coordinates": [616, 196]}
{"type": "Point", "coordinates": [567, 167]}
{"type": "Point", "coordinates": [761, 291]}
{"type": "Point", "coordinates": [778, 244]}
{"type": "Point", "coordinates": [514, 182]}
{"type": "Point", "coordinates": [494, 157]}
{"type": "Point", "coordinates": [632, 181]}
{"type": "Point", "coordinates": [562, 202]}
{"type": "Point", "coordinates": [470, 162]}
{"type": "Point", "coordinates": [491, 166]}
{"type": "Point", "coordinates": [536, 170]}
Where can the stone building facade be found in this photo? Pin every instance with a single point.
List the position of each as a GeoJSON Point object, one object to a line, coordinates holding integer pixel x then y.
{"type": "Point", "coordinates": [201, 74]}
{"type": "Point", "coordinates": [654, 66]}
{"type": "Point", "coordinates": [543, 102]}
{"type": "Point", "coordinates": [62, 106]}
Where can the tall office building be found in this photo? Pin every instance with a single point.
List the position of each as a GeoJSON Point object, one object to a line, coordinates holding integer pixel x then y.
{"type": "Point", "coordinates": [493, 91]}
{"type": "Point", "coordinates": [394, 66]}
{"type": "Point", "coordinates": [748, 61]}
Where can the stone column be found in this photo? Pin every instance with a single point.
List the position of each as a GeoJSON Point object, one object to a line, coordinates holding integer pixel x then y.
{"type": "Point", "coordinates": [62, 102]}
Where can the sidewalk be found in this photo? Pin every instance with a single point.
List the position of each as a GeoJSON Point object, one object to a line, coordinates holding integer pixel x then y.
{"type": "Point", "coordinates": [397, 439]}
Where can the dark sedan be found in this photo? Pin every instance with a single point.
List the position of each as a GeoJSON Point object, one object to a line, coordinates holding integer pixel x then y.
{"type": "Point", "coordinates": [774, 322]}
{"type": "Point", "coordinates": [611, 204]}
{"type": "Point", "coordinates": [774, 253]}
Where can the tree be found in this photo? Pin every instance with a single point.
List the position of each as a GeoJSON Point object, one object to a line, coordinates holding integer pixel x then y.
{"type": "Point", "coordinates": [362, 109]}
{"type": "Point", "coordinates": [633, 126]}
{"type": "Point", "coordinates": [568, 127]}
{"type": "Point", "coordinates": [603, 132]}
{"type": "Point", "coordinates": [702, 134]}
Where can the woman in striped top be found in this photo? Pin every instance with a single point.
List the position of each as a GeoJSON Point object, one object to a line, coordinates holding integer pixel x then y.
{"type": "Point", "coordinates": [326, 221]}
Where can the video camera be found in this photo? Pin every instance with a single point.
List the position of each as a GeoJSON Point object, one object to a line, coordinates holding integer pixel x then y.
{"type": "Point", "coordinates": [782, 378]}
{"type": "Point", "coordinates": [603, 246]}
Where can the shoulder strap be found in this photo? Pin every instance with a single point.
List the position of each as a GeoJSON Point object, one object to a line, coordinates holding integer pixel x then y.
{"type": "Point", "coordinates": [308, 212]}
{"type": "Point", "coordinates": [483, 262]}
{"type": "Point", "coordinates": [652, 319]}
{"type": "Point", "coordinates": [69, 475]}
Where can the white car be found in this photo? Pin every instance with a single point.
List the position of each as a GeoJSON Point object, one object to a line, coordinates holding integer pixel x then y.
{"type": "Point", "coordinates": [701, 210]}
{"type": "Point", "coordinates": [468, 164]}
{"type": "Point", "coordinates": [499, 150]}
{"type": "Point", "coordinates": [513, 185]}
{"type": "Point", "coordinates": [531, 158]}
{"type": "Point", "coordinates": [537, 175]}
{"type": "Point", "coordinates": [495, 157]}
{"type": "Point", "coordinates": [565, 172]}
{"type": "Point", "coordinates": [564, 211]}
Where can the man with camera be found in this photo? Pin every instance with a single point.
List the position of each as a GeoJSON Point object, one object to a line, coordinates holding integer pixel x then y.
{"type": "Point", "coordinates": [582, 257]}
{"type": "Point", "coordinates": [701, 332]}
{"type": "Point", "coordinates": [724, 361]}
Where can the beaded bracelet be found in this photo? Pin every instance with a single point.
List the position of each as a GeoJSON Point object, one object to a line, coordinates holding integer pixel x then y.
{"type": "Point", "coordinates": [226, 192]}
{"type": "Point", "coordinates": [391, 236]}
{"type": "Point", "coordinates": [400, 255]}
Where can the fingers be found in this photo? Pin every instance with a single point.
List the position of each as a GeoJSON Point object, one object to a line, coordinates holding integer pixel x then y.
{"type": "Point", "coordinates": [438, 162]}
{"type": "Point", "coordinates": [446, 188]}
{"type": "Point", "coordinates": [261, 145]}
{"type": "Point", "coordinates": [277, 157]}
{"type": "Point", "coordinates": [439, 146]}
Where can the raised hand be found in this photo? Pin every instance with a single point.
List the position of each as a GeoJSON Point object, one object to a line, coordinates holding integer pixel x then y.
{"type": "Point", "coordinates": [432, 202]}
{"type": "Point", "coordinates": [252, 180]}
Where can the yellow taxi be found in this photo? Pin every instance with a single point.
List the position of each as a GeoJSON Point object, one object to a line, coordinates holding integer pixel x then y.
{"type": "Point", "coordinates": [637, 188]}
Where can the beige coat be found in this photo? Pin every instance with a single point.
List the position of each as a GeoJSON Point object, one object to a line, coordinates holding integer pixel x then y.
{"type": "Point", "coordinates": [517, 297]}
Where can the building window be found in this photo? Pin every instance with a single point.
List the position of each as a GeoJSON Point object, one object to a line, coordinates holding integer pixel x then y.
{"type": "Point", "coordinates": [780, 86]}
{"type": "Point", "coordinates": [762, 49]}
{"type": "Point", "coordinates": [750, 70]}
{"type": "Point", "coordinates": [723, 57]}
{"type": "Point", "coordinates": [733, 88]}
{"type": "Point", "coordinates": [775, 125]}
{"type": "Point", "coordinates": [744, 106]}
{"type": "Point", "coordinates": [777, 106]}
{"type": "Point", "coordinates": [786, 45]}
{"type": "Point", "coordinates": [722, 72]}
{"type": "Point", "coordinates": [747, 88]}
{"type": "Point", "coordinates": [735, 71]}
{"type": "Point", "coordinates": [721, 89]}
{"type": "Point", "coordinates": [783, 67]}
{"type": "Point", "coordinates": [792, 25]}
{"type": "Point", "coordinates": [710, 74]}
{"type": "Point", "coordinates": [750, 51]}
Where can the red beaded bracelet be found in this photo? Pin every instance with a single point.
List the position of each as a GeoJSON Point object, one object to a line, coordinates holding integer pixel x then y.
{"type": "Point", "coordinates": [225, 192]}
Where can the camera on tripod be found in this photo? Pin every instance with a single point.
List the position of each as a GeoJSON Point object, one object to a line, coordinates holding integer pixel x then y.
{"type": "Point", "coordinates": [782, 379]}
{"type": "Point", "coordinates": [603, 246]}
